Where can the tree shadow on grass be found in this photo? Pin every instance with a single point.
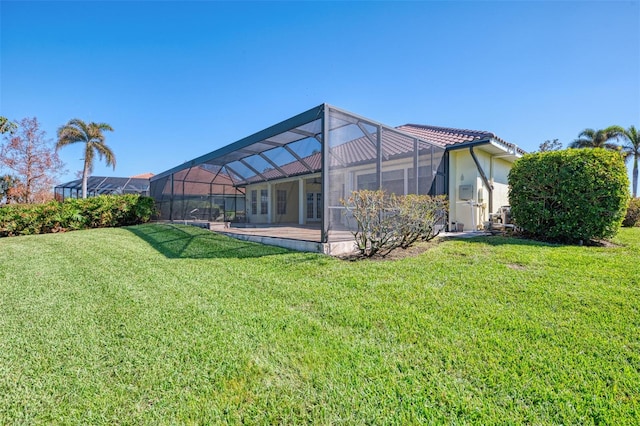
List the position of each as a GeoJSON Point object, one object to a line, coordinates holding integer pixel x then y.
{"type": "Point", "coordinates": [189, 242]}
{"type": "Point", "coordinates": [498, 240]}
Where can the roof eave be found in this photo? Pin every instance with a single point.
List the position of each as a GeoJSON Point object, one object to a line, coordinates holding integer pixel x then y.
{"type": "Point", "coordinates": [510, 150]}
{"type": "Point", "coordinates": [463, 145]}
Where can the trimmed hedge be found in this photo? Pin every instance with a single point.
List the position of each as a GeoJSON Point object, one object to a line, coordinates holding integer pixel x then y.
{"type": "Point", "coordinates": [633, 213]}
{"type": "Point", "coordinates": [73, 214]}
{"type": "Point", "coordinates": [569, 196]}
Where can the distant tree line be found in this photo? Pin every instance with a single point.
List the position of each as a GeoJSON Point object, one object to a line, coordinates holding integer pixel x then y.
{"type": "Point", "coordinates": [29, 162]}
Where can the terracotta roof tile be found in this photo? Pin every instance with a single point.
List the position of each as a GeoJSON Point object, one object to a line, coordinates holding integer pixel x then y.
{"type": "Point", "coordinates": [394, 145]}
{"type": "Point", "coordinates": [147, 175]}
{"type": "Point", "coordinates": [446, 135]}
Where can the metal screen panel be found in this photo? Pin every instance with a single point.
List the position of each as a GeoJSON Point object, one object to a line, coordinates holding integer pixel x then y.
{"type": "Point", "coordinates": [298, 171]}
{"type": "Point", "coordinates": [368, 155]}
{"type": "Point", "coordinates": [101, 185]}
{"type": "Point", "coordinates": [204, 192]}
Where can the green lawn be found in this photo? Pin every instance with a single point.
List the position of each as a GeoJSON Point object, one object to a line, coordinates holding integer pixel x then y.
{"type": "Point", "coordinates": [171, 324]}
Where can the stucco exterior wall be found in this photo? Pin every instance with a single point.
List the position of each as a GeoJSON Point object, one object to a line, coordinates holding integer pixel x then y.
{"type": "Point", "coordinates": [501, 170]}
{"type": "Point", "coordinates": [463, 172]}
{"type": "Point", "coordinates": [291, 203]}
{"type": "Point", "coordinates": [256, 217]}
{"type": "Point", "coordinates": [471, 212]}
{"type": "Point", "coordinates": [291, 186]}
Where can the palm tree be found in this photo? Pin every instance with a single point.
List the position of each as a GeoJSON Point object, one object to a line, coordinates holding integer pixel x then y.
{"type": "Point", "coordinates": [590, 138]}
{"type": "Point", "coordinates": [91, 135]}
{"type": "Point", "coordinates": [631, 149]}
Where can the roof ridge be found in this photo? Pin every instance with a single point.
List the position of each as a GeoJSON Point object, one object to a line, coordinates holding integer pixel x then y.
{"type": "Point", "coordinates": [452, 129]}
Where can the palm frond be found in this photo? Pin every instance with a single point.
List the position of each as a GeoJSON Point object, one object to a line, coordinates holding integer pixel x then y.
{"type": "Point", "coordinates": [109, 156]}
{"type": "Point", "coordinates": [581, 143]}
{"type": "Point", "coordinates": [614, 131]}
{"type": "Point", "coordinates": [587, 134]}
{"type": "Point", "coordinates": [69, 134]}
{"type": "Point", "coordinates": [613, 147]}
{"type": "Point", "coordinates": [103, 127]}
{"type": "Point", "coordinates": [590, 138]}
{"type": "Point", "coordinates": [633, 139]}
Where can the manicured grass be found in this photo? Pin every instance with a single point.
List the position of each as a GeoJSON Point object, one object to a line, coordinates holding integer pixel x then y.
{"type": "Point", "coordinates": [171, 324]}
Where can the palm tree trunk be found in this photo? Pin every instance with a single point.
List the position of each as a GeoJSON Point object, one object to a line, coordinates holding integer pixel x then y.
{"type": "Point", "coordinates": [635, 176]}
{"type": "Point", "coordinates": [85, 172]}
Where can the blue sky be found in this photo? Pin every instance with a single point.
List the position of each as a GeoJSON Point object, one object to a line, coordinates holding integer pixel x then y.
{"type": "Point", "coordinates": [179, 79]}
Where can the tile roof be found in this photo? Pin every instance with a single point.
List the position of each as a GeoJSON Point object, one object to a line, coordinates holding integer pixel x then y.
{"type": "Point", "coordinates": [362, 150]}
{"type": "Point", "coordinates": [447, 136]}
{"type": "Point", "coordinates": [199, 179]}
{"type": "Point", "coordinates": [295, 168]}
{"type": "Point", "coordinates": [147, 175]}
{"type": "Point", "coordinates": [394, 145]}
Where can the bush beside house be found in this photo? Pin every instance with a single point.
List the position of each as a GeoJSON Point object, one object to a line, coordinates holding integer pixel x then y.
{"type": "Point", "coordinates": [633, 213]}
{"type": "Point", "coordinates": [387, 222]}
{"type": "Point", "coordinates": [73, 214]}
{"type": "Point", "coordinates": [569, 196]}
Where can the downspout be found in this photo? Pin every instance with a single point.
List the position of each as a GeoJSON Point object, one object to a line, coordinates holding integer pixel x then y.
{"type": "Point", "coordinates": [484, 178]}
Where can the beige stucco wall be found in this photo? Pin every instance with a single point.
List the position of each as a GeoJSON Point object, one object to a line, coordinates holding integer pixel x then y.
{"type": "Point", "coordinates": [290, 185]}
{"type": "Point", "coordinates": [501, 170]}
{"type": "Point", "coordinates": [255, 218]}
{"type": "Point", "coordinates": [463, 171]}
{"type": "Point", "coordinates": [291, 215]}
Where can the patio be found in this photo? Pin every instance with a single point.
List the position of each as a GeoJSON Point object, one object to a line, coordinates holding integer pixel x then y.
{"type": "Point", "coordinates": [292, 236]}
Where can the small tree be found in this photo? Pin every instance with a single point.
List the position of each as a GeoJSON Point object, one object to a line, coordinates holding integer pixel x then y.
{"type": "Point", "coordinates": [550, 145]}
{"type": "Point", "coordinates": [569, 196]}
{"type": "Point", "coordinates": [33, 160]}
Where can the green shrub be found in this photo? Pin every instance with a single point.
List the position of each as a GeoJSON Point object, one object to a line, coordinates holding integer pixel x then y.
{"type": "Point", "coordinates": [569, 196]}
{"type": "Point", "coordinates": [72, 214]}
{"type": "Point", "coordinates": [633, 213]}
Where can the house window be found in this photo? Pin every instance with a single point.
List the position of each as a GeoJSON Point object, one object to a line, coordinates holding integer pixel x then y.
{"type": "Point", "coordinates": [264, 201]}
{"type": "Point", "coordinates": [282, 201]}
{"type": "Point", "coordinates": [424, 180]}
{"type": "Point", "coordinates": [393, 182]}
{"type": "Point", "coordinates": [254, 202]}
{"type": "Point", "coordinates": [368, 181]}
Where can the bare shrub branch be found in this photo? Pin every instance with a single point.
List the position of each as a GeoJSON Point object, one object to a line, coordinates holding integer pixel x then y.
{"type": "Point", "coordinates": [384, 223]}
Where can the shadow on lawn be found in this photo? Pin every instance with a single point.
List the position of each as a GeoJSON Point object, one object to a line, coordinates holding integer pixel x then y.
{"type": "Point", "coordinates": [189, 242]}
{"type": "Point", "coordinates": [498, 240]}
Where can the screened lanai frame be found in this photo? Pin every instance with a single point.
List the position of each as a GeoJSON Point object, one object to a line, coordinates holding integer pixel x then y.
{"type": "Point", "coordinates": [101, 185]}
{"type": "Point", "coordinates": [357, 153]}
